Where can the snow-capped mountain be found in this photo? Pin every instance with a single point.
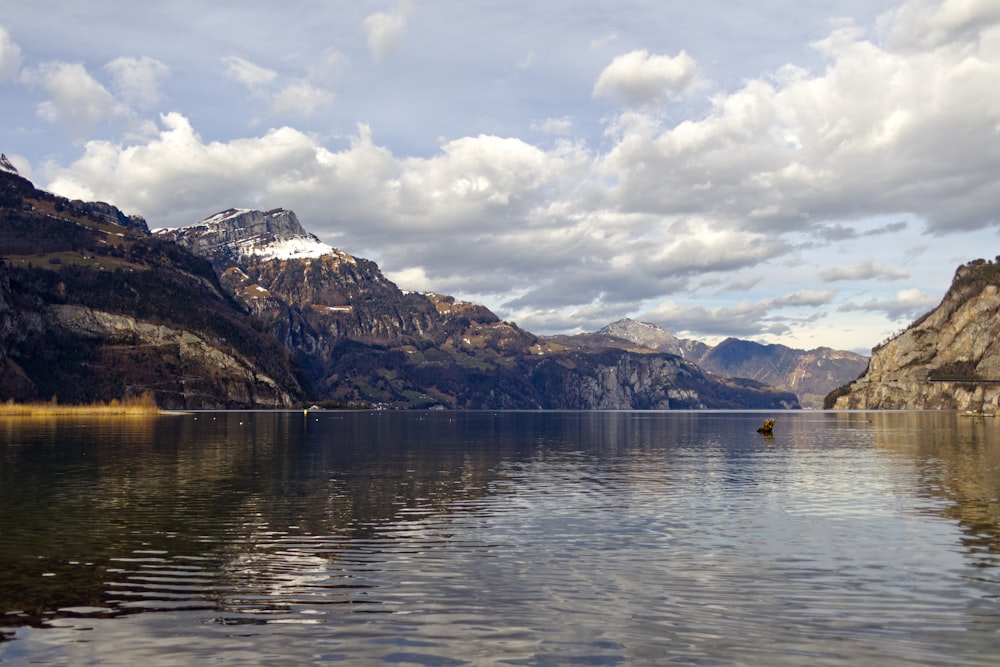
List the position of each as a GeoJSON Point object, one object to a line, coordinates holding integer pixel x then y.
{"type": "Point", "coordinates": [246, 234]}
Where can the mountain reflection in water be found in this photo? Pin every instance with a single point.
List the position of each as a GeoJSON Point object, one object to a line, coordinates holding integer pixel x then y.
{"type": "Point", "coordinates": [527, 538]}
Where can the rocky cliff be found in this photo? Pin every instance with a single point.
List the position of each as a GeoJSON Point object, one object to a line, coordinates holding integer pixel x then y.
{"type": "Point", "coordinates": [94, 308]}
{"type": "Point", "coordinates": [948, 359]}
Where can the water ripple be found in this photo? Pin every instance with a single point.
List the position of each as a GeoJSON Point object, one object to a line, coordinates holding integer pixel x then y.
{"type": "Point", "coordinates": [592, 540]}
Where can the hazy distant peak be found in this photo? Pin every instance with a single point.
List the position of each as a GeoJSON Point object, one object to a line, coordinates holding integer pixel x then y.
{"type": "Point", "coordinates": [637, 332]}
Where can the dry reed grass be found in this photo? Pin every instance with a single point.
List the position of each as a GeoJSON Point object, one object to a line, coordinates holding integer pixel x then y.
{"type": "Point", "coordinates": [137, 406]}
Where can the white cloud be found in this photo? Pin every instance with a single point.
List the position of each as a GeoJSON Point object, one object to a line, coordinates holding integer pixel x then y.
{"type": "Point", "coordinates": [385, 30]}
{"type": "Point", "coordinates": [250, 75]}
{"type": "Point", "coordinates": [879, 132]}
{"type": "Point", "coordinates": [10, 56]}
{"type": "Point", "coordinates": [750, 191]}
{"type": "Point", "coordinates": [747, 318]}
{"type": "Point", "coordinates": [603, 40]}
{"type": "Point", "coordinates": [926, 25]}
{"type": "Point", "coordinates": [177, 178]}
{"type": "Point", "coordinates": [908, 304]}
{"type": "Point", "coordinates": [137, 80]}
{"type": "Point", "coordinates": [638, 78]}
{"type": "Point", "coordinates": [301, 97]}
{"type": "Point", "coordinates": [473, 175]}
{"type": "Point", "coordinates": [76, 99]}
{"type": "Point", "coordinates": [562, 127]}
{"type": "Point", "coordinates": [866, 270]}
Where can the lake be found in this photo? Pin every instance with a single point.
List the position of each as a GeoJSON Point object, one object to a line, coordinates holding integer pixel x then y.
{"type": "Point", "coordinates": [516, 538]}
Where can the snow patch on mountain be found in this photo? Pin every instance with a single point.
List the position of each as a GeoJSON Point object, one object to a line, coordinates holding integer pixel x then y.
{"type": "Point", "coordinates": [296, 248]}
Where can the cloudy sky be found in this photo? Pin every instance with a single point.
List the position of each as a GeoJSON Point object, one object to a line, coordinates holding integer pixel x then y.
{"type": "Point", "coordinates": [804, 173]}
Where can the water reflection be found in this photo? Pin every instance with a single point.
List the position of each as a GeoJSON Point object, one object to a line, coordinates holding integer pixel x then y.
{"type": "Point", "coordinates": [542, 537]}
{"type": "Point", "coordinates": [955, 458]}
{"type": "Point", "coordinates": [209, 504]}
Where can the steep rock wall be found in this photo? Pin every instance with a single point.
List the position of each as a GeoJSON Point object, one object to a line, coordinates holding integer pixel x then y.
{"type": "Point", "coordinates": [205, 376]}
{"type": "Point", "coordinates": [949, 359]}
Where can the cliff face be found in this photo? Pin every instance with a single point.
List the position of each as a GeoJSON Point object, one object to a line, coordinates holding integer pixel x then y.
{"type": "Point", "coordinates": [949, 359]}
{"type": "Point", "coordinates": [342, 319]}
{"type": "Point", "coordinates": [94, 308]}
{"type": "Point", "coordinates": [11, 332]}
{"type": "Point", "coordinates": [183, 368]}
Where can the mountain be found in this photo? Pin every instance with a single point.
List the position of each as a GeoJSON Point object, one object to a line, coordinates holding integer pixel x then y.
{"type": "Point", "coordinates": [655, 338]}
{"type": "Point", "coordinates": [809, 374]}
{"type": "Point", "coordinates": [948, 359]}
{"type": "Point", "coordinates": [233, 235]}
{"type": "Point", "coordinates": [357, 335]}
{"type": "Point", "coordinates": [247, 309]}
{"type": "Point", "coordinates": [6, 166]}
{"type": "Point", "coordinates": [92, 307]}
{"type": "Point", "coordinates": [360, 338]}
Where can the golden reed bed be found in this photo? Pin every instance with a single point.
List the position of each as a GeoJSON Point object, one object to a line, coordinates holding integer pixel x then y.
{"type": "Point", "coordinates": [137, 406]}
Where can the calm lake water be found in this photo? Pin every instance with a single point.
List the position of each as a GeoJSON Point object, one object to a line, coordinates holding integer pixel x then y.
{"type": "Point", "coordinates": [587, 538]}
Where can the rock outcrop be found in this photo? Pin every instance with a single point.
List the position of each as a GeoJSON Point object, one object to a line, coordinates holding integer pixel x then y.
{"type": "Point", "coordinates": [233, 235]}
{"type": "Point", "coordinates": [5, 165]}
{"type": "Point", "coordinates": [192, 370]}
{"type": "Point", "coordinates": [948, 359]}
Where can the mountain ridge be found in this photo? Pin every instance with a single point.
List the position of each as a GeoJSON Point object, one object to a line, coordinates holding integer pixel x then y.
{"type": "Point", "coordinates": [340, 315]}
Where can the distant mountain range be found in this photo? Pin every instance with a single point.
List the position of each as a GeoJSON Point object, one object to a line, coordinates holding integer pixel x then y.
{"type": "Point", "coordinates": [809, 374]}
{"type": "Point", "coordinates": [247, 309]}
